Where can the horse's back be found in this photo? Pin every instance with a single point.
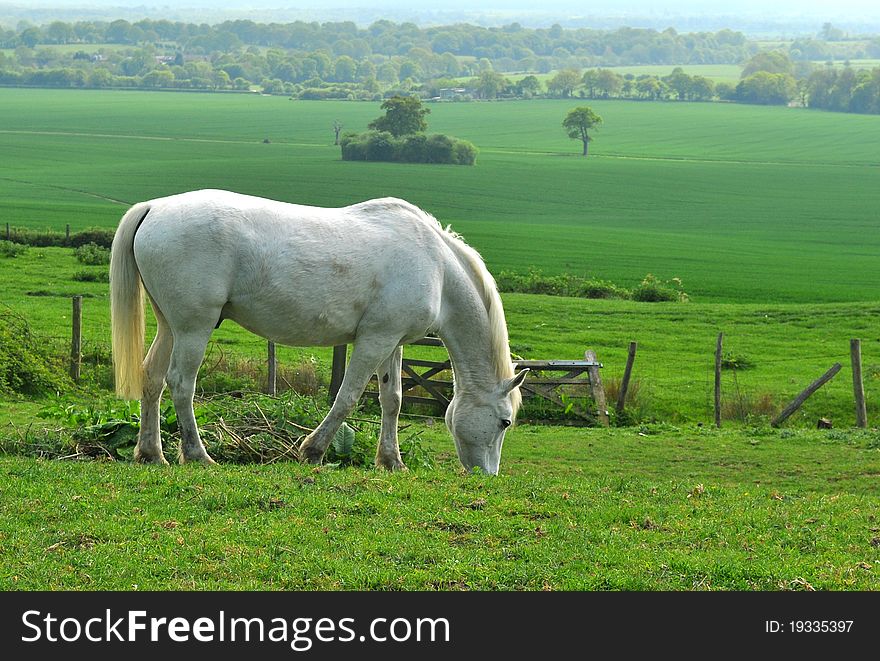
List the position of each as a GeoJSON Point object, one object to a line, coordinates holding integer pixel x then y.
{"type": "Point", "coordinates": [263, 262]}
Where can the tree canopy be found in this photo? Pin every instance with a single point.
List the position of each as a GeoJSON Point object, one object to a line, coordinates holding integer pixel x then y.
{"type": "Point", "coordinates": [404, 115]}
{"type": "Point", "coordinates": [578, 122]}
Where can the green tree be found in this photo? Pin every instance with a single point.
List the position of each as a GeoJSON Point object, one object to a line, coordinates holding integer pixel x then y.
{"type": "Point", "coordinates": [403, 115]}
{"type": "Point", "coordinates": [490, 84]}
{"type": "Point", "coordinates": [769, 61]}
{"type": "Point", "coordinates": [564, 83]}
{"type": "Point", "coordinates": [345, 69]}
{"type": "Point", "coordinates": [529, 86]}
{"type": "Point", "coordinates": [766, 88]}
{"type": "Point", "coordinates": [578, 122]}
{"type": "Point", "coordinates": [608, 83]}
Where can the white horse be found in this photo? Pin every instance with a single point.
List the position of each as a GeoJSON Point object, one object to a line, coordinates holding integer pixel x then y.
{"type": "Point", "coordinates": [378, 275]}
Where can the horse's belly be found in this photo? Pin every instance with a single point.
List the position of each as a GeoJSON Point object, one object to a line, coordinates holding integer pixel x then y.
{"type": "Point", "coordinates": [302, 328]}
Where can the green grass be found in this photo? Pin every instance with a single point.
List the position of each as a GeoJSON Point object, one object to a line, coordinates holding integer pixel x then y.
{"type": "Point", "coordinates": [789, 344]}
{"type": "Point", "coordinates": [573, 510]}
{"type": "Point", "coordinates": [740, 202]}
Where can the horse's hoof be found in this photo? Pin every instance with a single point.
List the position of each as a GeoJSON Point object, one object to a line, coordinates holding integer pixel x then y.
{"type": "Point", "coordinates": [204, 460]}
{"type": "Point", "coordinates": [150, 459]}
{"type": "Point", "coordinates": [307, 456]}
{"type": "Point", "coordinates": [391, 465]}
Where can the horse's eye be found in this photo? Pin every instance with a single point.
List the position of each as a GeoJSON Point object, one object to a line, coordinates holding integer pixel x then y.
{"type": "Point", "coordinates": [505, 424]}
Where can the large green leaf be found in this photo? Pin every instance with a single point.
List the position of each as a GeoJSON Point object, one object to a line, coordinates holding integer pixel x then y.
{"type": "Point", "coordinates": [343, 441]}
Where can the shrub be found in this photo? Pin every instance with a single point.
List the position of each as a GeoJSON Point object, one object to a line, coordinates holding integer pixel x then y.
{"type": "Point", "coordinates": [92, 254]}
{"type": "Point", "coordinates": [50, 239]}
{"type": "Point", "coordinates": [464, 153]}
{"type": "Point", "coordinates": [537, 282]}
{"type": "Point", "coordinates": [415, 148]}
{"type": "Point", "coordinates": [380, 146]}
{"type": "Point", "coordinates": [98, 236]}
{"type": "Point", "coordinates": [732, 361]}
{"type": "Point", "coordinates": [10, 249]}
{"type": "Point", "coordinates": [92, 276]}
{"type": "Point", "coordinates": [354, 147]}
{"type": "Point", "coordinates": [654, 290]}
{"type": "Point", "coordinates": [439, 149]}
{"type": "Point", "coordinates": [26, 365]}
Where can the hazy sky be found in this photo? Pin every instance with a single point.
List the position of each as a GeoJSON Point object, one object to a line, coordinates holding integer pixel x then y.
{"type": "Point", "coordinates": [854, 8]}
{"type": "Point", "coordinates": [770, 18]}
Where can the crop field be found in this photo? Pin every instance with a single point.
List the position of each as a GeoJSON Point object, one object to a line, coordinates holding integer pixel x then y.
{"type": "Point", "coordinates": [768, 216]}
{"type": "Point", "coordinates": [714, 194]}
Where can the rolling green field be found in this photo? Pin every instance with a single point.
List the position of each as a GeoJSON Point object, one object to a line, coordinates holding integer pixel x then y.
{"type": "Point", "coordinates": [769, 215]}
{"type": "Point", "coordinates": [740, 202]}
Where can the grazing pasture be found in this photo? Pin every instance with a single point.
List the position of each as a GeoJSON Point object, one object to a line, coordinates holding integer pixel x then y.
{"type": "Point", "coordinates": [573, 510]}
{"type": "Point", "coordinates": [768, 215]}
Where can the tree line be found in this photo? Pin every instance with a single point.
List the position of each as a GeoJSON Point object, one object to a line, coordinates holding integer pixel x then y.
{"type": "Point", "coordinates": [461, 62]}
{"type": "Point", "coordinates": [508, 48]}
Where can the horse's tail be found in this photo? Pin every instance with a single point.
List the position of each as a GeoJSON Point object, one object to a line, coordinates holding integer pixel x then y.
{"type": "Point", "coordinates": [127, 306]}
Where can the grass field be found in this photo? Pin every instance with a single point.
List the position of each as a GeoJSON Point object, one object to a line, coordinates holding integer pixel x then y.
{"type": "Point", "coordinates": [740, 202]}
{"type": "Point", "coordinates": [573, 510]}
{"type": "Point", "coordinates": [767, 214]}
{"type": "Point", "coordinates": [785, 346]}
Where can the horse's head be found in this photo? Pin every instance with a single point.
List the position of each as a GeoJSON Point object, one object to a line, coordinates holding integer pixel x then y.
{"type": "Point", "coordinates": [478, 423]}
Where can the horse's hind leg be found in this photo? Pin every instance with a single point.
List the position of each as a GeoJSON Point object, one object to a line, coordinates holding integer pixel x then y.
{"type": "Point", "coordinates": [149, 445]}
{"type": "Point", "coordinates": [186, 356]}
{"type": "Point", "coordinates": [390, 396]}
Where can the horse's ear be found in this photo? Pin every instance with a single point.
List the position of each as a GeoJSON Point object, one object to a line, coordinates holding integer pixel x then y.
{"type": "Point", "coordinates": [515, 382]}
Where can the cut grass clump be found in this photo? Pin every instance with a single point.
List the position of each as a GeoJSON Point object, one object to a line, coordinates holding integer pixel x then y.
{"type": "Point", "coordinates": [245, 428]}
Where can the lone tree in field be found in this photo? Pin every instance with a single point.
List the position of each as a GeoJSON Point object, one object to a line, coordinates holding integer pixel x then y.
{"type": "Point", "coordinates": [578, 122]}
{"type": "Point", "coordinates": [403, 115]}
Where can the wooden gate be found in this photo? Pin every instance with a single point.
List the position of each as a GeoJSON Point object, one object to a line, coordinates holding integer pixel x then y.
{"type": "Point", "coordinates": [428, 382]}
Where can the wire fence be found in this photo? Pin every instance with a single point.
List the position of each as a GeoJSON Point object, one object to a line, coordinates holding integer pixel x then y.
{"type": "Point", "coordinates": [752, 387]}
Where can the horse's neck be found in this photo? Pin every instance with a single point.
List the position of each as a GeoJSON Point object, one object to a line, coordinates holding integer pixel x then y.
{"type": "Point", "coordinates": [465, 332]}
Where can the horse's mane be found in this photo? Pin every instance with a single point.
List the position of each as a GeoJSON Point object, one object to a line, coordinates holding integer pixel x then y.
{"type": "Point", "coordinates": [485, 285]}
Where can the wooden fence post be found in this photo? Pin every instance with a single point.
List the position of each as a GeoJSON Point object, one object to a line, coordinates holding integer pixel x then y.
{"type": "Point", "coordinates": [597, 388]}
{"type": "Point", "coordinates": [338, 370]}
{"type": "Point", "coordinates": [272, 370]}
{"type": "Point", "coordinates": [627, 372]}
{"type": "Point", "coordinates": [76, 339]}
{"type": "Point", "coordinates": [67, 234]}
{"type": "Point", "coordinates": [7, 232]}
{"type": "Point", "coordinates": [718, 348]}
{"type": "Point", "coordinates": [800, 399]}
{"type": "Point", "coordinates": [855, 351]}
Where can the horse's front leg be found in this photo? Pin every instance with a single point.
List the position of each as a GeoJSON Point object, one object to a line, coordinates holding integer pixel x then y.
{"type": "Point", "coordinates": [365, 358]}
{"type": "Point", "coordinates": [390, 397]}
